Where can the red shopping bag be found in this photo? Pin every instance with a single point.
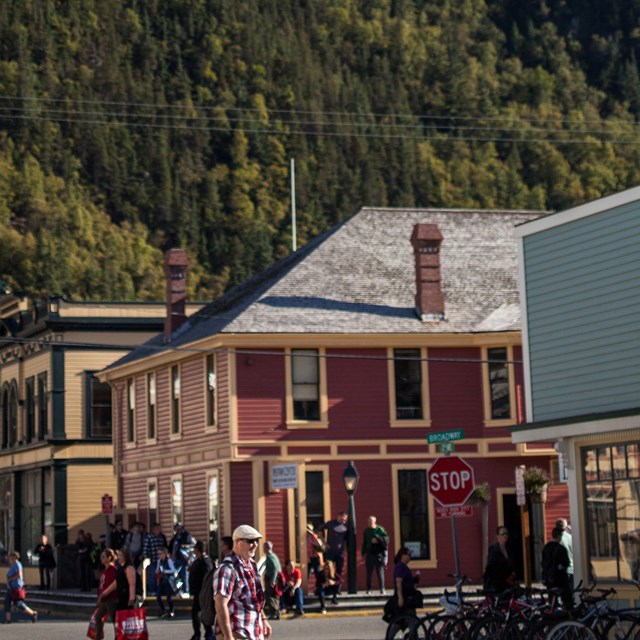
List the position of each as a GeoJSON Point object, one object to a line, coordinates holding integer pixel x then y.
{"type": "Point", "coordinates": [91, 631]}
{"type": "Point", "coordinates": [131, 624]}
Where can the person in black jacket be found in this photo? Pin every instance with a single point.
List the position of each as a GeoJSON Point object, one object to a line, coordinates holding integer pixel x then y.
{"type": "Point", "coordinates": [499, 574]}
{"type": "Point", "coordinates": [46, 562]}
{"type": "Point", "coordinates": [555, 562]}
{"type": "Point", "coordinates": [197, 571]}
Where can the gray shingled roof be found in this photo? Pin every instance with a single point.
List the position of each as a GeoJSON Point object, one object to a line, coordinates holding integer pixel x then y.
{"type": "Point", "coordinates": [360, 277]}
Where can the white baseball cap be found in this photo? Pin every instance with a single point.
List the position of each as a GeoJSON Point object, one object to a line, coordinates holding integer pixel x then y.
{"type": "Point", "coordinates": [246, 531]}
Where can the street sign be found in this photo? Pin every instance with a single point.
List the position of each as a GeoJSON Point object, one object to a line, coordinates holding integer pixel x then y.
{"type": "Point", "coordinates": [446, 447]}
{"type": "Point", "coordinates": [444, 436]}
{"type": "Point", "coordinates": [521, 498]}
{"type": "Point", "coordinates": [284, 476]}
{"type": "Point", "coordinates": [450, 481]}
{"type": "Point", "coordinates": [107, 505]}
{"type": "Point", "coordinates": [454, 512]}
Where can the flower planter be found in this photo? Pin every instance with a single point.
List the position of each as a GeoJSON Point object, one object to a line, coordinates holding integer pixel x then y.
{"type": "Point", "coordinates": [539, 496]}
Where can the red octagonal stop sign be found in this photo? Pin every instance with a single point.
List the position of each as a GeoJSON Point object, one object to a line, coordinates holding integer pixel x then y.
{"type": "Point", "coordinates": [450, 481]}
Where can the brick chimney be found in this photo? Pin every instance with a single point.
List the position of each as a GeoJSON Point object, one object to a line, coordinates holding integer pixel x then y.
{"type": "Point", "coordinates": [426, 240]}
{"type": "Point", "coordinates": [175, 270]}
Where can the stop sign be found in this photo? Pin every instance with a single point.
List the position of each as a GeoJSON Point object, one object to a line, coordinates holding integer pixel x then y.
{"type": "Point", "coordinates": [450, 481]}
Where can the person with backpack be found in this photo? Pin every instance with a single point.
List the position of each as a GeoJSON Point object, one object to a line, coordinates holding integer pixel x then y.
{"type": "Point", "coordinates": [198, 571]}
{"type": "Point", "coordinates": [555, 562]}
{"type": "Point", "coordinates": [239, 596]}
{"type": "Point", "coordinates": [207, 607]}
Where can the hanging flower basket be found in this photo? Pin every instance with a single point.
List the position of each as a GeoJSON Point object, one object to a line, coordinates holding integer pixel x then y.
{"type": "Point", "coordinates": [536, 481]}
{"type": "Point", "coordinates": [538, 497]}
{"type": "Point", "coordinates": [481, 495]}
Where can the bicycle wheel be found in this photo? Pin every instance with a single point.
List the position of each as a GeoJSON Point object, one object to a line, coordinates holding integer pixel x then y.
{"type": "Point", "coordinates": [406, 626]}
{"type": "Point", "coordinates": [571, 630]}
{"type": "Point", "coordinates": [459, 627]}
{"type": "Point", "coordinates": [622, 628]}
{"type": "Point", "coordinates": [438, 627]}
{"type": "Point", "coordinates": [517, 629]}
{"type": "Point", "coordinates": [540, 627]}
{"type": "Point", "coordinates": [489, 626]}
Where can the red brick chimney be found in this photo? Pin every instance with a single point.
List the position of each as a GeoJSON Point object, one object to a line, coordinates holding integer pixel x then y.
{"type": "Point", "coordinates": [175, 270]}
{"type": "Point", "coordinates": [426, 239]}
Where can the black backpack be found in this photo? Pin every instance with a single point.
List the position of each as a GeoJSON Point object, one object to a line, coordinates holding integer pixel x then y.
{"type": "Point", "coordinates": [550, 564]}
{"type": "Point", "coordinates": [207, 608]}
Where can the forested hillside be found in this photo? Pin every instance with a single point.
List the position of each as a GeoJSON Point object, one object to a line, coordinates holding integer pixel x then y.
{"type": "Point", "coordinates": [130, 126]}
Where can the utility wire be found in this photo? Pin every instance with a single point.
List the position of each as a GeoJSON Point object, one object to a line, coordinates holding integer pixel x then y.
{"type": "Point", "coordinates": [256, 352]}
{"type": "Point", "coordinates": [348, 134]}
{"type": "Point", "coordinates": [369, 125]}
{"type": "Point", "coordinates": [447, 117]}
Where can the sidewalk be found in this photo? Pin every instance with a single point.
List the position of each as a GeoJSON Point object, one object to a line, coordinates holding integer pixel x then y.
{"type": "Point", "coordinates": [73, 603]}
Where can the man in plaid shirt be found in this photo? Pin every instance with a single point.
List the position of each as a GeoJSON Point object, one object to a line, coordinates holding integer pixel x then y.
{"type": "Point", "coordinates": [154, 541]}
{"type": "Point", "coordinates": [238, 593]}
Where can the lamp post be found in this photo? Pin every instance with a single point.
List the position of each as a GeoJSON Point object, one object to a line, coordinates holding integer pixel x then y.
{"type": "Point", "coordinates": [350, 478]}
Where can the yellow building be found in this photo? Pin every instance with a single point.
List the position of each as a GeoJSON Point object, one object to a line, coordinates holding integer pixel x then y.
{"type": "Point", "coordinates": [56, 451]}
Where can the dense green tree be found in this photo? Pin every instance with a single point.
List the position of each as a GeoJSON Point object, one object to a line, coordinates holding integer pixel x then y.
{"type": "Point", "coordinates": [131, 126]}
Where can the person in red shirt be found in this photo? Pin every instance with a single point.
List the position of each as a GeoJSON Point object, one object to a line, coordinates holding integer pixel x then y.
{"type": "Point", "coordinates": [292, 596]}
{"type": "Point", "coordinates": [107, 595]}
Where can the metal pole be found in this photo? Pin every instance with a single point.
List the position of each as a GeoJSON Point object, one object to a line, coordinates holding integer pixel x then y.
{"type": "Point", "coordinates": [454, 530]}
{"type": "Point", "coordinates": [107, 535]}
{"type": "Point", "coordinates": [351, 550]}
{"type": "Point", "coordinates": [294, 238]}
{"type": "Point", "coordinates": [456, 555]}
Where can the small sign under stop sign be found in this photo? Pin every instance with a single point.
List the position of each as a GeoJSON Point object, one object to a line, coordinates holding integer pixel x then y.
{"type": "Point", "coordinates": [451, 481]}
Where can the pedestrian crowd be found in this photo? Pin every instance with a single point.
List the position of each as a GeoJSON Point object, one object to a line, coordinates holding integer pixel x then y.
{"type": "Point", "coordinates": [232, 597]}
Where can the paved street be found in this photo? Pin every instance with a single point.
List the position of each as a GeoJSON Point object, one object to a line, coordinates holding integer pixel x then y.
{"type": "Point", "coordinates": [337, 627]}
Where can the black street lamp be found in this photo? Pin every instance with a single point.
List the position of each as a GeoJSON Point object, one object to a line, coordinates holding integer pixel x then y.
{"type": "Point", "coordinates": [351, 477]}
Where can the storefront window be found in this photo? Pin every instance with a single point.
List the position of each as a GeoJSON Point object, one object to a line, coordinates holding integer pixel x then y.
{"type": "Point", "coordinates": [414, 512]}
{"type": "Point", "coordinates": [30, 512]}
{"type": "Point", "coordinates": [612, 489]}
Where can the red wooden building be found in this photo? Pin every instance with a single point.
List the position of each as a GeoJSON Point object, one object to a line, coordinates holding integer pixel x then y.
{"type": "Point", "coordinates": [393, 325]}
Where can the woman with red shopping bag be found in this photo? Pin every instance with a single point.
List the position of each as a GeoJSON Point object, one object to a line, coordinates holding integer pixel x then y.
{"type": "Point", "coordinates": [107, 595]}
{"type": "Point", "coordinates": [130, 622]}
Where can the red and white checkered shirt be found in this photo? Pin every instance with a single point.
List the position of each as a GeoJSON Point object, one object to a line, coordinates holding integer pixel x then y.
{"type": "Point", "coordinates": [240, 583]}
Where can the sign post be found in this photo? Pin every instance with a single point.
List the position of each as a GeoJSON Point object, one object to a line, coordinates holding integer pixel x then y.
{"type": "Point", "coordinates": [451, 482]}
{"type": "Point", "coordinates": [107, 510]}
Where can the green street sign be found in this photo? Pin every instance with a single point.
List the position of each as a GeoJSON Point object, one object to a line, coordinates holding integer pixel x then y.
{"type": "Point", "coordinates": [445, 436]}
{"type": "Point", "coordinates": [446, 447]}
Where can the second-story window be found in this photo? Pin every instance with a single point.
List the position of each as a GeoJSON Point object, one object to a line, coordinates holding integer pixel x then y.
{"type": "Point", "coordinates": [408, 384]}
{"type": "Point", "coordinates": [98, 417]}
{"type": "Point", "coordinates": [30, 408]}
{"type": "Point", "coordinates": [305, 384]}
{"type": "Point", "coordinates": [499, 383]}
{"type": "Point", "coordinates": [210, 389]}
{"type": "Point", "coordinates": [13, 414]}
{"type": "Point", "coordinates": [131, 410]}
{"type": "Point", "coordinates": [175, 399]}
{"type": "Point", "coordinates": [151, 406]}
{"type": "Point", "coordinates": [5, 415]}
{"type": "Point", "coordinates": [43, 406]}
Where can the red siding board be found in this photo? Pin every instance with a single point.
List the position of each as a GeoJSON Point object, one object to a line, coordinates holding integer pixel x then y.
{"type": "Point", "coordinates": [261, 393]}
{"type": "Point", "coordinates": [456, 391]}
{"type": "Point", "coordinates": [358, 393]}
{"type": "Point", "coordinates": [349, 450]}
{"type": "Point", "coordinates": [241, 494]}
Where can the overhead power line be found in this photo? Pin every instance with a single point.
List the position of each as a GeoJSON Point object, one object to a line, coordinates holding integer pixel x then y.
{"type": "Point", "coordinates": [359, 114]}
{"type": "Point", "coordinates": [151, 348]}
{"type": "Point", "coordinates": [435, 129]}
